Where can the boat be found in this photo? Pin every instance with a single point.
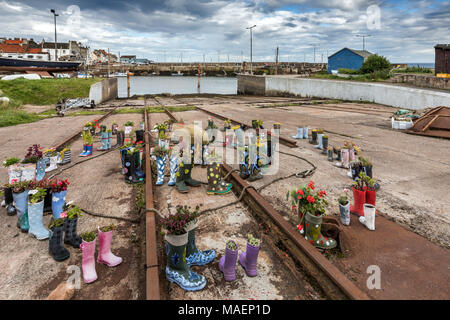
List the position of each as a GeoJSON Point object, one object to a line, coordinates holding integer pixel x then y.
{"type": "Point", "coordinates": [119, 74]}
{"type": "Point", "coordinates": [178, 74]}
{"type": "Point", "coordinates": [16, 64]}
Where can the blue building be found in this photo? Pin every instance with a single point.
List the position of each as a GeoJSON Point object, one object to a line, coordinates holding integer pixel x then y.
{"type": "Point", "coordinates": [128, 59]}
{"type": "Point", "coordinates": [347, 59]}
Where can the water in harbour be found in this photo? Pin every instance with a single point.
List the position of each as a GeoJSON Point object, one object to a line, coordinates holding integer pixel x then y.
{"type": "Point", "coordinates": [176, 85]}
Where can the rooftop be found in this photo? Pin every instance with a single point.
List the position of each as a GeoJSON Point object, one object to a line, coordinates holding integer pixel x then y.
{"type": "Point", "coordinates": [362, 53]}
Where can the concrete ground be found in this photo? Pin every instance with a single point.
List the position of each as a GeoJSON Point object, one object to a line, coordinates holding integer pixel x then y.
{"type": "Point", "coordinates": [410, 244]}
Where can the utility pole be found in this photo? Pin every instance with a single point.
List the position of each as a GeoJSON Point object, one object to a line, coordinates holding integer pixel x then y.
{"type": "Point", "coordinates": [363, 36]}
{"type": "Point", "coordinates": [315, 46]}
{"type": "Point", "coordinates": [251, 48]}
{"type": "Point", "coordinates": [109, 61]}
{"type": "Point", "coordinates": [276, 62]}
{"type": "Point", "coordinates": [56, 46]}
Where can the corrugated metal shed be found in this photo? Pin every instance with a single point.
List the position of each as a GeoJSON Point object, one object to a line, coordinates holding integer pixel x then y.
{"type": "Point", "coordinates": [347, 59]}
{"type": "Point", "coordinates": [442, 58]}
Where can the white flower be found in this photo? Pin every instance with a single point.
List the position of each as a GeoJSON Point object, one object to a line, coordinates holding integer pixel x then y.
{"type": "Point", "coordinates": [56, 199]}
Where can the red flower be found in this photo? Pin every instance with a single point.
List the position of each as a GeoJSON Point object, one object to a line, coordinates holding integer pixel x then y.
{"type": "Point", "coordinates": [322, 193]}
{"type": "Point", "coordinates": [310, 199]}
{"type": "Point", "coordinates": [299, 227]}
{"type": "Point", "coordinates": [293, 208]}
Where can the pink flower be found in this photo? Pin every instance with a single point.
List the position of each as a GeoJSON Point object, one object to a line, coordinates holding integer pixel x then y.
{"type": "Point", "coordinates": [63, 215]}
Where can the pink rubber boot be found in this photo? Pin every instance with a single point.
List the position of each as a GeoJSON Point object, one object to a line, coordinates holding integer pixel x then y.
{"type": "Point", "coordinates": [88, 261]}
{"type": "Point", "coordinates": [351, 154]}
{"type": "Point", "coordinates": [105, 255]}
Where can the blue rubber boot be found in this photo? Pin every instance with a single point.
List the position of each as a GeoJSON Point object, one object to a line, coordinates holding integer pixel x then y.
{"type": "Point", "coordinates": [177, 269]}
{"type": "Point", "coordinates": [173, 165]}
{"type": "Point", "coordinates": [35, 215]}
{"type": "Point", "coordinates": [161, 165]}
{"type": "Point", "coordinates": [299, 134]}
{"type": "Point", "coordinates": [88, 150]}
{"type": "Point", "coordinates": [104, 137]}
{"type": "Point", "coordinates": [194, 256]}
{"type": "Point", "coordinates": [83, 154]}
{"type": "Point", "coordinates": [40, 169]}
{"type": "Point", "coordinates": [21, 201]}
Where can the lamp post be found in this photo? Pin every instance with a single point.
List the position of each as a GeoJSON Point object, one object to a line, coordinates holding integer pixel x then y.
{"type": "Point", "coordinates": [251, 48]}
{"type": "Point", "coordinates": [56, 48]}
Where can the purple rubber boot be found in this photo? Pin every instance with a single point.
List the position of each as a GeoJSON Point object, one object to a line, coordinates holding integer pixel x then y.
{"type": "Point", "coordinates": [248, 260]}
{"type": "Point", "coordinates": [227, 263]}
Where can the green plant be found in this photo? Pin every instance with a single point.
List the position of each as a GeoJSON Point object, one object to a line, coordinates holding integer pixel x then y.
{"type": "Point", "coordinates": [348, 71]}
{"type": "Point", "coordinates": [19, 186]}
{"type": "Point", "coordinates": [11, 161]}
{"type": "Point", "coordinates": [325, 136]}
{"type": "Point", "coordinates": [114, 123]}
{"type": "Point", "coordinates": [129, 124]}
{"type": "Point", "coordinates": [252, 240]}
{"type": "Point", "coordinates": [159, 151]}
{"type": "Point", "coordinates": [74, 212]}
{"type": "Point", "coordinates": [111, 227]}
{"type": "Point", "coordinates": [58, 185]}
{"type": "Point", "coordinates": [88, 125]}
{"type": "Point", "coordinates": [305, 199]}
{"type": "Point", "coordinates": [343, 198]}
{"type": "Point", "coordinates": [193, 214]}
{"type": "Point", "coordinates": [37, 196]}
{"type": "Point", "coordinates": [88, 236]}
{"type": "Point", "coordinates": [231, 245]}
{"type": "Point", "coordinates": [50, 152]}
{"type": "Point", "coordinates": [375, 63]}
{"type": "Point", "coordinates": [160, 127]}
{"type": "Point", "coordinates": [365, 162]}
{"type": "Point", "coordinates": [34, 151]}
{"type": "Point", "coordinates": [87, 138]}
{"type": "Point", "coordinates": [359, 182]}
{"type": "Point", "coordinates": [32, 159]}
{"type": "Point", "coordinates": [54, 223]}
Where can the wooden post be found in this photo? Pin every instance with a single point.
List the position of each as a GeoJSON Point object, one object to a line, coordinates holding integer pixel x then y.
{"type": "Point", "coordinates": [128, 83]}
{"type": "Point", "coordinates": [276, 63]}
{"type": "Point", "coordinates": [199, 70]}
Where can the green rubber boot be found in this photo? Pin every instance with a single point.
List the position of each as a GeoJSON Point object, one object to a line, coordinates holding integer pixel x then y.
{"type": "Point", "coordinates": [181, 178]}
{"type": "Point", "coordinates": [177, 269]}
{"type": "Point", "coordinates": [188, 180]}
{"type": "Point", "coordinates": [313, 235]}
{"type": "Point", "coordinates": [23, 222]}
{"type": "Point", "coordinates": [215, 183]}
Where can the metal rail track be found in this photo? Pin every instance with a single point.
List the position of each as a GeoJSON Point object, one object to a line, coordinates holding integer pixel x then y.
{"type": "Point", "coordinates": [285, 141]}
{"type": "Point", "coordinates": [332, 281]}
{"type": "Point", "coordinates": [152, 265]}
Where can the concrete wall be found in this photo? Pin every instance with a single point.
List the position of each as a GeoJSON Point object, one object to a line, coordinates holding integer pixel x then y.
{"type": "Point", "coordinates": [251, 84]}
{"type": "Point", "coordinates": [423, 81]}
{"type": "Point", "coordinates": [104, 90]}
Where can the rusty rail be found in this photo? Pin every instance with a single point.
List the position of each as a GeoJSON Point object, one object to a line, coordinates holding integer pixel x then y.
{"type": "Point", "coordinates": [152, 276]}
{"type": "Point", "coordinates": [287, 142]}
{"type": "Point", "coordinates": [60, 146]}
{"type": "Point", "coordinates": [332, 281]}
{"type": "Point", "coordinates": [170, 114]}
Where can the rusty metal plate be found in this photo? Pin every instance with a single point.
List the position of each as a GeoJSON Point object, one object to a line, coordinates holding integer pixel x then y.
{"type": "Point", "coordinates": [435, 123]}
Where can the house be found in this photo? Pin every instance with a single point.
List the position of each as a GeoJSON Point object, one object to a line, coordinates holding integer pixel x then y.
{"type": "Point", "coordinates": [142, 61]}
{"type": "Point", "coordinates": [128, 59]}
{"type": "Point", "coordinates": [442, 59]}
{"type": "Point", "coordinates": [101, 56]}
{"type": "Point", "coordinates": [62, 49]}
{"type": "Point", "coordinates": [347, 59]}
{"type": "Point", "coordinates": [22, 49]}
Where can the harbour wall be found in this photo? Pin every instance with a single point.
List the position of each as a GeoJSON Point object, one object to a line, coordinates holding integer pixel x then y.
{"type": "Point", "coordinates": [104, 90]}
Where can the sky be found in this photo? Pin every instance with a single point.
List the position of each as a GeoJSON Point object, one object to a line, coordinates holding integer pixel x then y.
{"type": "Point", "coordinates": [201, 30]}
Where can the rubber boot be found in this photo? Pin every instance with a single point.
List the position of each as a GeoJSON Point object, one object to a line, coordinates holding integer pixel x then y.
{"type": "Point", "coordinates": [368, 171]}
{"type": "Point", "coordinates": [58, 201]}
{"type": "Point", "coordinates": [181, 178]}
{"type": "Point", "coordinates": [369, 217]}
{"type": "Point", "coordinates": [139, 136]}
{"type": "Point", "coordinates": [40, 169]}
{"type": "Point", "coordinates": [194, 256]}
{"type": "Point", "coordinates": [130, 167]}
{"type": "Point", "coordinates": [299, 134]}
{"type": "Point", "coordinates": [330, 154]}
{"type": "Point", "coordinates": [215, 183]}
{"type": "Point", "coordinates": [119, 139]}
{"type": "Point", "coordinates": [55, 246]}
{"type": "Point", "coordinates": [248, 260]}
{"type": "Point", "coordinates": [66, 157]}
{"type": "Point", "coordinates": [228, 141]}
{"type": "Point", "coordinates": [256, 173]}
{"type": "Point", "coordinates": [14, 173]}
{"type": "Point", "coordinates": [139, 173]}
{"type": "Point", "coordinates": [345, 214]}
{"type": "Point", "coordinates": [205, 154]}
{"type": "Point", "coordinates": [21, 201]}
{"type": "Point", "coordinates": [313, 225]}
{"type": "Point", "coordinates": [173, 168]}
{"type": "Point", "coordinates": [53, 164]}
{"type": "Point", "coordinates": [371, 198]}
{"type": "Point", "coordinates": [177, 269]}
{"type": "Point", "coordinates": [345, 159]}
{"type": "Point", "coordinates": [9, 202]}
{"type": "Point", "coordinates": [88, 261]}
{"type": "Point", "coordinates": [188, 180]}
{"type": "Point", "coordinates": [227, 263]}
{"type": "Point", "coordinates": [109, 140]}
{"type": "Point", "coordinates": [161, 167]}
{"type": "Point", "coordinates": [305, 133]}
{"type": "Point", "coordinates": [324, 144]}
{"type": "Point", "coordinates": [83, 154]}
{"type": "Point", "coordinates": [35, 218]}
{"type": "Point", "coordinates": [319, 138]}
{"type": "Point", "coordinates": [105, 256]}
{"type": "Point", "coordinates": [104, 146]}
{"type": "Point", "coordinates": [351, 154]}
{"type": "Point", "coordinates": [313, 137]}
{"type": "Point", "coordinates": [70, 233]}
{"type": "Point", "coordinates": [359, 198]}
{"type": "Point", "coordinates": [123, 153]}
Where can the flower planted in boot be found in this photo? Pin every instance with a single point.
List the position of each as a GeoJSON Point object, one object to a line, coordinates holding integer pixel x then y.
{"type": "Point", "coordinates": [313, 137]}
{"type": "Point", "coordinates": [105, 255]}
{"type": "Point", "coordinates": [35, 214]}
{"type": "Point", "coordinates": [194, 256]}
{"type": "Point", "coordinates": [59, 192]}
{"type": "Point", "coordinates": [20, 196]}
{"type": "Point", "coordinates": [70, 226]}
{"type": "Point", "coordinates": [369, 217]}
{"type": "Point", "coordinates": [177, 269]}
{"type": "Point", "coordinates": [319, 138]}
{"type": "Point", "coordinates": [130, 168]}
{"type": "Point", "coordinates": [88, 258]}
{"type": "Point", "coordinates": [248, 259]}
{"type": "Point", "coordinates": [173, 168]}
{"type": "Point", "coordinates": [104, 140]}
{"type": "Point", "coordinates": [359, 197]}
{"type": "Point", "coordinates": [160, 152]}
{"type": "Point", "coordinates": [227, 263]}
{"type": "Point", "coordinates": [88, 141]}
{"type": "Point", "coordinates": [313, 234]}
{"type": "Point", "coordinates": [55, 246]}
{"type": "Point", "coordinates": [344, 208]}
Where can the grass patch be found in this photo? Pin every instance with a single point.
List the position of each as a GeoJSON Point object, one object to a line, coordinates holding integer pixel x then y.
{"type": "Point", "coordinates": [45, 91]}
{"type": "Point", "coordinates": [85, 113]}
{"type": "Point", "coordinates": [140, 196]}
{"type": "Point", "coordinates": [154, 109]}
{"type": "Point", "coordinates": [11, 116]}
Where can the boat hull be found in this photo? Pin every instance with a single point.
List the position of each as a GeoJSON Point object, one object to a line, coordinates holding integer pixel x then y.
{"type": "Point", "coordinates": [9, 64]}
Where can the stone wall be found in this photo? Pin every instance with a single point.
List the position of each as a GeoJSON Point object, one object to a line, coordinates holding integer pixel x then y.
{"type": "Point", "coordinates": [248, 84]}
{"type": "Point", "coordinates": [424, 81]}
{"type": "Point", "coordinates": [104, 90]}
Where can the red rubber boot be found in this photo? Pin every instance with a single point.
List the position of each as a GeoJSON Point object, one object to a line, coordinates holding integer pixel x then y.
{"type": "Point", "coordinates": [371, 198]}
{"type": "Point", "coordinates": [359, 197]}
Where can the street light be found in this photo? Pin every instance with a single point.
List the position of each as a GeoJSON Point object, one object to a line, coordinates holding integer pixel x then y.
{"type": "Point", "coordinates": [56, 48]}
{"type": "Point", "coordinates": [251, 49]}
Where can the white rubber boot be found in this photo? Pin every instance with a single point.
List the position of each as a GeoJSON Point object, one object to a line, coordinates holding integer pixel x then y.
{"type": "Point", "coordinates": [369, 217]}
{"type": "Point", "coordinates": [299, 134]}
{"type": "Point", "coordinates": [319, 139]}
{"type": "Point", "coordinates": [305, 133]}
{"type": "Point", "coordinates": [53, 162]}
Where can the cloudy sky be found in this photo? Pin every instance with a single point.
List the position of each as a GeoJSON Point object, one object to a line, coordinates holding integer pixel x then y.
{"type": "Point", "coordinates": [193, 30]}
